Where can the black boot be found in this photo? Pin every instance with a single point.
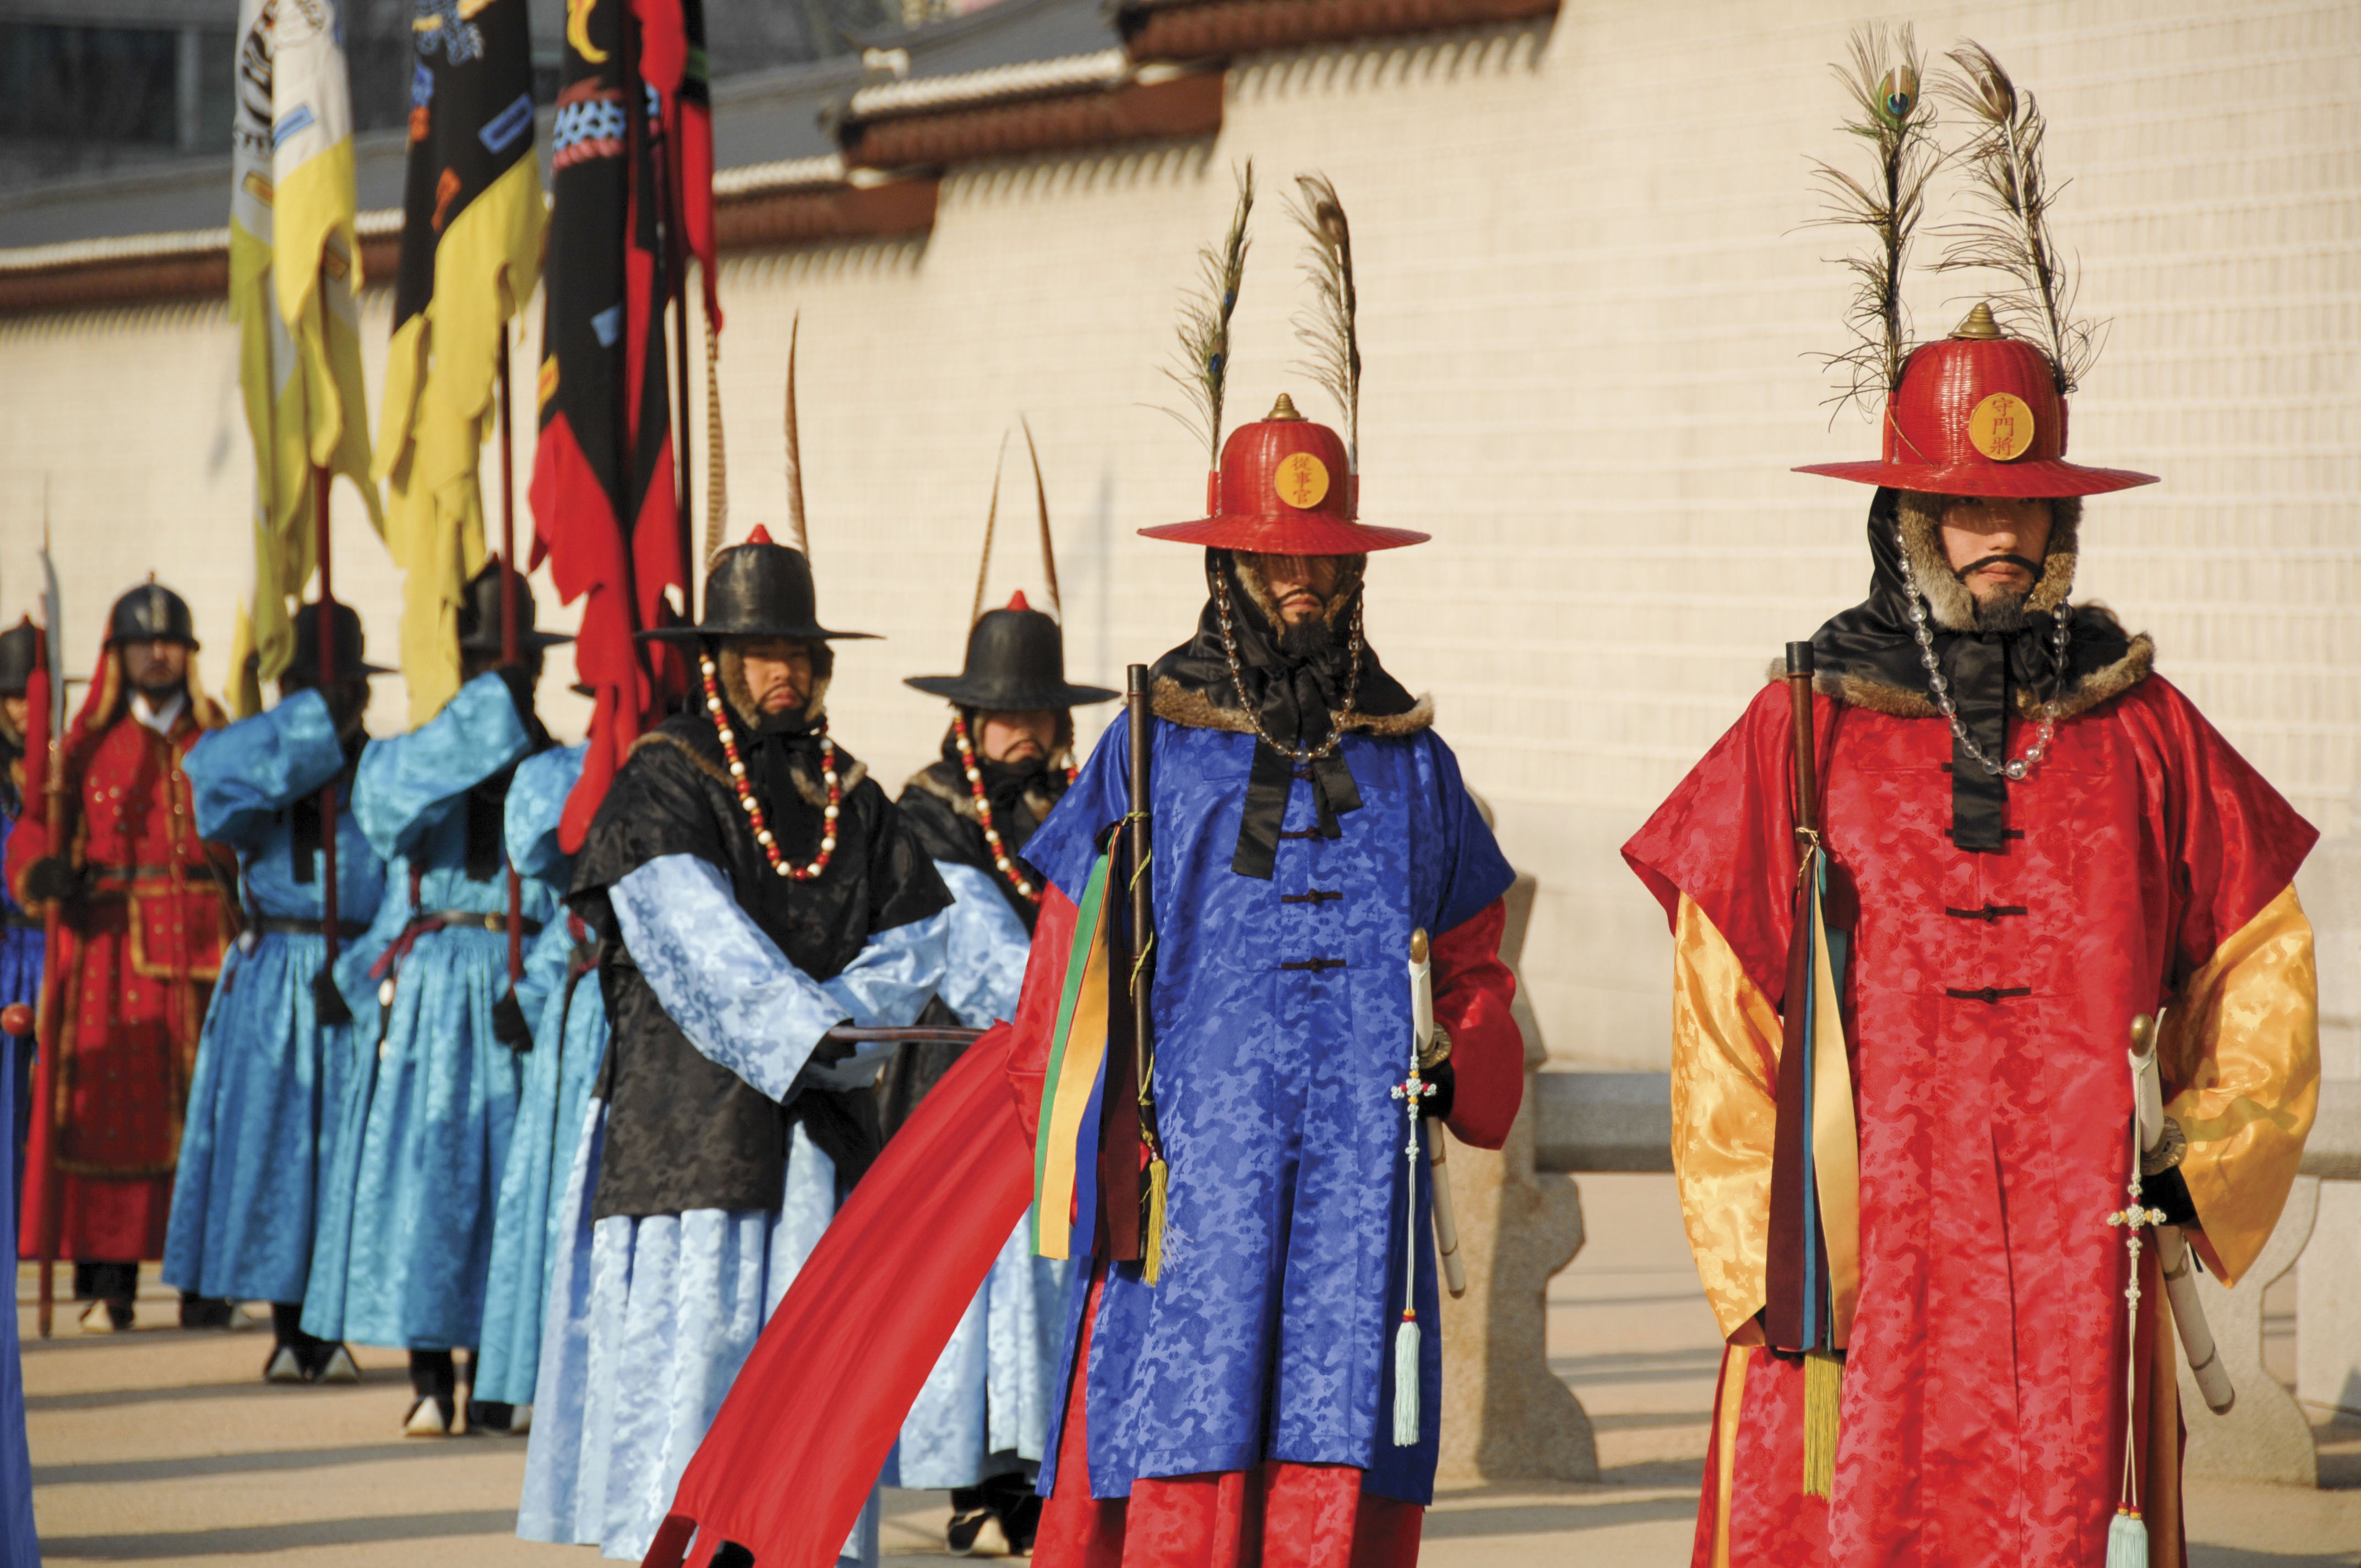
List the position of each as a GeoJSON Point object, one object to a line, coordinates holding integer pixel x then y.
{"type": "Point", "coordinates": [285, 1362]}
{"type": "Point", "coordinates": [434, 1385]}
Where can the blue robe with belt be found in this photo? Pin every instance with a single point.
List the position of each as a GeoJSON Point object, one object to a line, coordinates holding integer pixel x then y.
{"type": "Point", "coordinates": [569, 1040]}
{"type": "Point", "coordinates": [270, 1078]}
{"type": "Point", "coordinates": [405, 1236]}
{"type": "Point", "coordinates": [1282, 1021]}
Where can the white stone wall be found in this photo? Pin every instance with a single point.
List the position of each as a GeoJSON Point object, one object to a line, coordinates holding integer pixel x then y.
{"type": "Point", "coordinates": [1590, 303]}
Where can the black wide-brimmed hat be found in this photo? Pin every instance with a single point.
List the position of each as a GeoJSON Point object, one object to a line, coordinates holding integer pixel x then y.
{"type": "Point", "coordinates": [760, 588]}
{"type": "Point", "coordinates": [150, 613]}
{"type": "Point", "coordinates": [1015, 660]}
{"type": "Point", "coordinates": [480, 618]}
{"type": "Point", "coordinates": [18, 647]}
{"type": "Point", "coordinates": [305, 665]}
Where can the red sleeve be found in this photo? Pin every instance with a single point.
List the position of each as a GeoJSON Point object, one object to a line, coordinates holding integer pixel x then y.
{"type": "Point", "coordinates": [2235, 842]}
{"type": "Point", "coordinates": [1036, 1007]}
{"type": "Point", "coordinates": [1473, 990]}
{"type": "Point", "coordinates": [1725, 837]}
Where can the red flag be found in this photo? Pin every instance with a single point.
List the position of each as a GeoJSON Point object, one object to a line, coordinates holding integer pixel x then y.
{"type": "Point", "coordinates": [603, 499]}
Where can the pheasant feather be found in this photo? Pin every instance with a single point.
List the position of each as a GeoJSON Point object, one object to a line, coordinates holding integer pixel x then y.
{"type": "Point", "coordinates": [991, 523]}
{"type": "Point", "coordinates": [1327, 328]}
{"type": "Point", "coordinates": [795, 447]}
{"type": "Point", "coordinates": [1041, 507]}
{"type": "Point", "coordinates": [2011, 235]}
{"type": "Point", "coordinates": [1882, 78]}
{"type": "Point", "coordinates": [1204, 329]}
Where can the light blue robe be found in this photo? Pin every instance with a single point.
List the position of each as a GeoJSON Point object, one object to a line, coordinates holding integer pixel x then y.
{"type": "Point", "coordinates": [569, 1041]}
{"type": "Point", "coordinates": [650, 1318]}
{"type": "Point", "coordinates": [984, 1410]}
{"type": "Point", "coordinates": [405, 1234]}
{"type": "Point", "coordinates": [270, 1080]}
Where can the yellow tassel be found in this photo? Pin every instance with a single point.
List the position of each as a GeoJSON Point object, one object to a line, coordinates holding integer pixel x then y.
{"type": "Point", "coordinates": [1152, 1246]}
{"type": "Point", "coordinates": [1823, 1396]}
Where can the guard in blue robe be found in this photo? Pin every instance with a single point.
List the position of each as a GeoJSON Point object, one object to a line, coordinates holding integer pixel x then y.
{"type": "Point", "coordinates": [981, 1425]}
{"type": "Point", "coordinates": [560, 995]}
{"type": "Point", "coordinates": [405, 1237]}
{"type": "Point", "coordinates": [751, 890]}
{"type": "Point", "coordinates": [20, 931]}
{"type": "Point", "coordinates": [279, 1046]}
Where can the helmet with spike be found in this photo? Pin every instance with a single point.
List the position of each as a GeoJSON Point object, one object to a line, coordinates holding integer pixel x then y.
{"type": "Point", "coordinates": [1282, 485]}
{"type": "Point", "coordinates": [1980, 412]}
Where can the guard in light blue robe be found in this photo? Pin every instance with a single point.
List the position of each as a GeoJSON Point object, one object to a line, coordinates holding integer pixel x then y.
{"type": "Point", "coordinates": [560, 993]}
{"type": "Point", "coordinates": [405, 1239]}
{"type": "Point", "coordinates": [726, 1132]}
{"type": "Point", "coordinates": [980, 1427]}
{"type": "Point", "coordinates": [271, 1072]}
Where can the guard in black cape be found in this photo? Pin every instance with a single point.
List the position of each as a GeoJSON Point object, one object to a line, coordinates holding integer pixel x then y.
{"type": "Point", "coordinates": [981, 1425]}
{"type": "Point", "coordinates": [751, 889]}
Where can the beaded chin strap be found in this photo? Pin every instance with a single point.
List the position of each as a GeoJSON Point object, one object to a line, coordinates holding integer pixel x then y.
{"type": "Point", "coordinates": [745, 788]}
{"type": "Point", "coordinates": [1000, 855]}
{"type": "Point", "coordinates": [1302, 756]}
{"type": "Point", "coordinates": [2017, 767]}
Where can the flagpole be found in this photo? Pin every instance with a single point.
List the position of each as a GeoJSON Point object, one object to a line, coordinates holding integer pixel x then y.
{"type": "Point", "coordinates": [509, 640]}
{"type": "Point", "coordinates": [323, 547]}
{"type": "Point", "coordinates": [635, 98]}
{"type": "Point", "coordinates": [676, 231]}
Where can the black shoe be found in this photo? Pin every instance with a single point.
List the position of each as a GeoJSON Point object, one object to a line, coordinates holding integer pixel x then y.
{"type": "Point", "coordinates": [1021, 1521]}
{"type": "Point", "coordinates": [976, 1534]}
{"type": "Point", "coordinates": [286, 1365]}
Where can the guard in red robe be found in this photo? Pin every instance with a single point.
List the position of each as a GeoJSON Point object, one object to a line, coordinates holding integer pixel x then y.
{"type": "Point", "coordinates": [2030, 839]}
{"type": "Point", "coordinates": [143, 922]}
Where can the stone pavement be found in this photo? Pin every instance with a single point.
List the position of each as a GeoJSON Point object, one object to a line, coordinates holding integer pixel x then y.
{"type": "Point", "coordinates": [165, 1447]}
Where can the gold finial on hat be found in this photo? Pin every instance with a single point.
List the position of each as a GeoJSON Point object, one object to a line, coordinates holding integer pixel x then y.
{"type": "Point", "coordinates": [1284, 410]}
{"type": "Point", "coordinates": [1979, 326]}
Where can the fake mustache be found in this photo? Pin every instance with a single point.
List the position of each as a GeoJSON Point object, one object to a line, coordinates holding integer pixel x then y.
{"type": "Point", "coordinates": [2032, 568]}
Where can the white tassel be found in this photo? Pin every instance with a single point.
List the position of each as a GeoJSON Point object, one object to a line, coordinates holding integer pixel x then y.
{"type": "Point", "coordinates": [1406, 1383]}
{"type": "Point", "coordinates": [2127, 1541]}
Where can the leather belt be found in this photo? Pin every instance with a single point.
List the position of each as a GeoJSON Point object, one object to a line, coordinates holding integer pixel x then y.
{"type": "Point", "coordinates": [1989, 993]}
{"type": "Point", "coordinates": [1314, 965]}
{"type": "Point", "coordinates": [290, 925]}
{"type": "Point", "coordinates": [441, 920]}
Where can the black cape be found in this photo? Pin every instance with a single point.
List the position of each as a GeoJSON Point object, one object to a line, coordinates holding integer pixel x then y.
{"type": "Point", "coordinates": [1291, 695]}
{"type": "Point", "coordinates": [684, 1131]}
{"type": "Point", "coordinates": [1873, 643]}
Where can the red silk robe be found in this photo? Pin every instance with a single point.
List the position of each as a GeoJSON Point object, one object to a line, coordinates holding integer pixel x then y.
{"type": "Point", "coordinates": [126, 993]}
{"type": "Point", "coordinates": [2146, 865]}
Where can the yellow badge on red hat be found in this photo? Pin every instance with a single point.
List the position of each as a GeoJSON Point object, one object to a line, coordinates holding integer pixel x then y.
{"type": "Point", "coordinates": [2002, 427]}
{"type": "Point", "coordinates": [1302, 481]}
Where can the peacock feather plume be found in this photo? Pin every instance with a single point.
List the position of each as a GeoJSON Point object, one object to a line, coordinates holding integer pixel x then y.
{"type": "Point", "coordinates": [1204, 329]}
{"type": "Point", "coordinates": [1882, 79]}
{"type": "Point", "coordinates": [1327, 328]}
{"type": "Point", "coordinates": [2010, 233]}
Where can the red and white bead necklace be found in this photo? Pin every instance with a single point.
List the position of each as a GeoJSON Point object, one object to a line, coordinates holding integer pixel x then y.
{"type": "Point", "coordinates": [753, 807]}
{"type": "Point", "coordinates": [1000, 855]}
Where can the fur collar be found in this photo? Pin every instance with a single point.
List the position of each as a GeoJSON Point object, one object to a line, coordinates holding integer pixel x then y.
{"type": "Point", "coordinates": [938, 780]}
{"type": "Point", "coordinates": [1897, 702]}
{"type": "Point", "coordinates": [814, 792]}
{"type": "Point", "coordinates": [1193, 710]}
{"type": "Point", "coordinates": [1954, 607]}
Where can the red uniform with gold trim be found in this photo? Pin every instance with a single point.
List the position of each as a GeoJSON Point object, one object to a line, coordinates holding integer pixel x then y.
{"type": "Point", "coordinates": [138, 950]}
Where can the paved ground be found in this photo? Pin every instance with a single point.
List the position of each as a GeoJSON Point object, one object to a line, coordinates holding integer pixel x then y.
{"type": "Point", "coordinates": [165, 1447]}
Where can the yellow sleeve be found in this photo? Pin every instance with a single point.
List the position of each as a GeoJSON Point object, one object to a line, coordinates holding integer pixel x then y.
{"type": "Point", "coordinates": [1724, 1124]}
{"type": "Point", "coordinates": [2245, 1039]}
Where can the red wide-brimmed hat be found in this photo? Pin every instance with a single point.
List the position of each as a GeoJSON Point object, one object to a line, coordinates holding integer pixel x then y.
{"type": "Point", "coordinates": [1980, 414]}
{"type": "Point", "coordinates": [1285, 488]}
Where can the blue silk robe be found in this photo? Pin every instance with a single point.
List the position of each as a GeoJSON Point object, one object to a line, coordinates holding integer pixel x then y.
{"type": "Point", "coordinates": [1270, 1334]}
{"type": "Point", "coordinates": [569, 1040]}
{"type": "Point", "coordinates": [270, 1078]}
{"type": "Point", "coordinates": [405, 1234]}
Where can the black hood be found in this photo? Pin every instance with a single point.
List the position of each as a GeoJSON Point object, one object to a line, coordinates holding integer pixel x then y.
{"type": "Point", "coordinates": [1870, 656]}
